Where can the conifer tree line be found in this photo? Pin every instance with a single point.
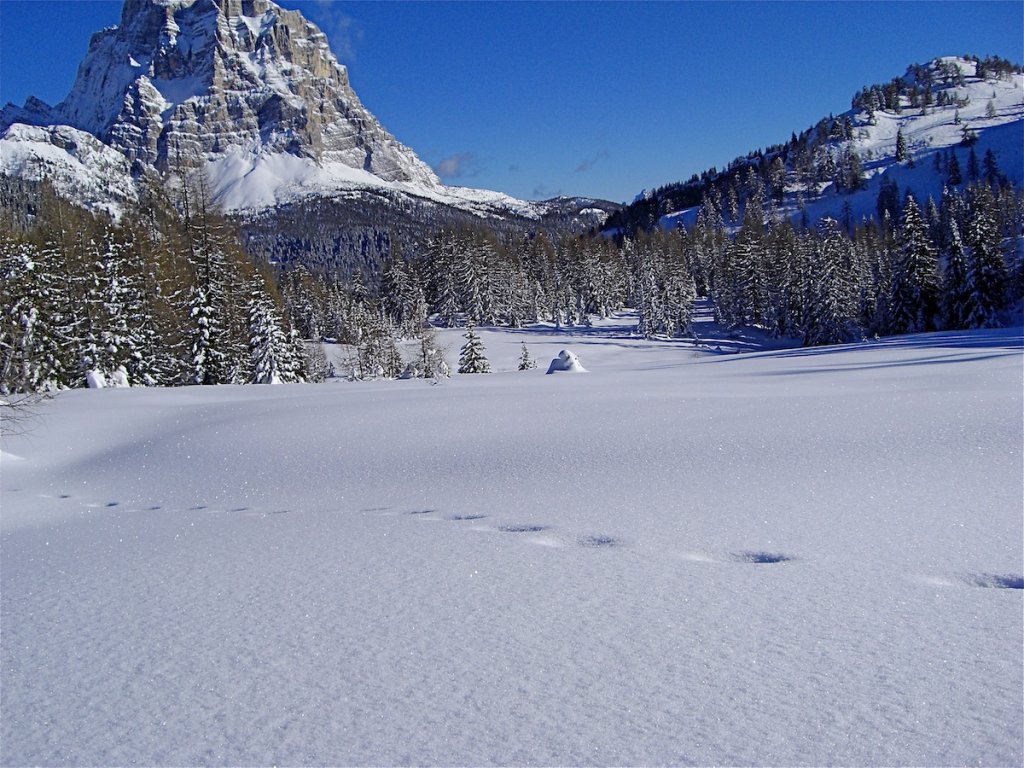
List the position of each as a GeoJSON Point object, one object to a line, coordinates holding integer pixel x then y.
{"type": "Point", "coordinates": [164, 297]}
{"type": "Point", "coordinates": [952, 264]}
{"type": "Point", "coordinates": [470, 276]}
{"type": "Point", "coordinates": [168, 297]}
{"type": "Point", "coordinates": [955, 264]}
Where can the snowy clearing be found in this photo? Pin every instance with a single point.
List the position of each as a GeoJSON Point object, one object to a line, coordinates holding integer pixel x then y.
{"type": "Point", "coordinates": [808, 556]}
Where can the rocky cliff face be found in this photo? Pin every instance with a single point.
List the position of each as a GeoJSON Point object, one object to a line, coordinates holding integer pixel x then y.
{"type": "Point", "coordinates": [186, 81]}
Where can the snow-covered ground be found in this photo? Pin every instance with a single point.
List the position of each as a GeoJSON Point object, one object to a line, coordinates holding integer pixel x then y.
{"type": "Point", "coordinates": [1001, 131]}
{"type": "Point", "coordinates": [785, 557]}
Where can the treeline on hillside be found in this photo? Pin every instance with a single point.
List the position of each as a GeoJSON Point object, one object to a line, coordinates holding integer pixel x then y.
{"type": "Point", "coordinates": [955, 264]}
{"type": "Point", "coordinates": [165, 297]}
{"type": "Point", "coordinates": [819, 156]}
{"type": "Point", "coordinates": [168, 297]}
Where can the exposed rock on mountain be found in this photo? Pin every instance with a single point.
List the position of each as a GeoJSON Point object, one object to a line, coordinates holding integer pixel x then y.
{"type": "Point", "coordinates": [200, 80]}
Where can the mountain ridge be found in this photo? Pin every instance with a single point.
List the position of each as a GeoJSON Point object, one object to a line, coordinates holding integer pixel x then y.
{"type": "Point", "coordinates": [245, 89]}
{"type": "Point", "coordinates": [948, 105]}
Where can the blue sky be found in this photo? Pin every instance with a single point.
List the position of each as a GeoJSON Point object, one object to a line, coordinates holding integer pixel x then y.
{"type": "Point", "coordinates": [600, 99]}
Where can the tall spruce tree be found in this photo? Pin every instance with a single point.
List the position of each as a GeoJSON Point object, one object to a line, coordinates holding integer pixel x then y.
{"type": "Point", "coordinates": [914, 297]}
{"type": "Point", "coordinates": [986, 267]}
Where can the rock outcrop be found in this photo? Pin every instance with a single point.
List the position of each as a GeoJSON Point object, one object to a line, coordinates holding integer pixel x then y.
{"type": "Point", "coordinates": [185, 81]}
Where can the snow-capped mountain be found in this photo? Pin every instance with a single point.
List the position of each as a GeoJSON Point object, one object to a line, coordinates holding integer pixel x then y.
{"type": "Point", "coordinates": [244, 88]}
{"type": "Point", "coordinates": [936, 111]}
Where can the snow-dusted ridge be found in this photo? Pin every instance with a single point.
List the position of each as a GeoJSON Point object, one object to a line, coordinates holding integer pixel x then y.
{"type": "Point", "coordinates": [992, 108]}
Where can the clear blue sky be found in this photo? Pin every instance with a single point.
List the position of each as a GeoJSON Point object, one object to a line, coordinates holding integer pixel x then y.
{"type": "Point", "coordinates": [600, 99]}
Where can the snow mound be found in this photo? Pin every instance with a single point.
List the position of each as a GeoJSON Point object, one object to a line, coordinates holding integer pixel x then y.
{"type": "Point", "coordinates": [566, 361]}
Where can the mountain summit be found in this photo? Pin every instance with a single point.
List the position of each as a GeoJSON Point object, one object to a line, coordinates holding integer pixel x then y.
{"type": "Point", "coordinates": [182, 81]}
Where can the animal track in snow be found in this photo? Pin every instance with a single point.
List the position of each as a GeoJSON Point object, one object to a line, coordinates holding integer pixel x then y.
{"type": "Point", "coordinates": [996, 581]}
{"type": "Point", "coordinates": [761, 558]}
{"type": "Point", "coordinates": [600, 541]}
{"type": "Point", "coordinates": [523, 528]}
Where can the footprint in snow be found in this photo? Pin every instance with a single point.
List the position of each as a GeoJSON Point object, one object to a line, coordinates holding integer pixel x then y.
{"type": "Point", "coordinates": [995, 581]}
{"type": "Point", "coordinates": [457, 518]}
{"type": "Point", "coordinates": [523, 528]}
{"type": "Point", "coordinates": [761, 558]}
{"type": "Point", "coordinates": [421, 511]}
{"type": "Point", "coordinates": [599, 542]}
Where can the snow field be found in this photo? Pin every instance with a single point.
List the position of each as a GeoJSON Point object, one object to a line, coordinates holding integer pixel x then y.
{"type": "Point", "coordinates": [805, 556]}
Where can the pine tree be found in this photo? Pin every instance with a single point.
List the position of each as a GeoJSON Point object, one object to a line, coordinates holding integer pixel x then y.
{"type": "Point", "coordinates": [956, 294]}
{"type": "Point", "coordinates": [471, 357]}
{"type": "Point", "coordinates": [993, 176]}
{"type": "Point", "coordinates": [986, 267]}
{"type": "Point", "coordinates": [827, 302]}
{"type": "Point", "coordinates": [272, 353]}
{"type": "Point", "coordinates": [914, 297]}
{"type": "Point", "coordinates": [901, 146]}
{"type": "Point", "coordinates": [954, 178]}
{"type": "Point", "coordinates": [525, 361]}
{"type": "Point", "coordinates": [973, 171]}
{"type": "Point", "coordinates": [31, 354]}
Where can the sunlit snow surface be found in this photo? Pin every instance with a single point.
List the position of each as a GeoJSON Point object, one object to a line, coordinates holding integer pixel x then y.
{"type": "Point", "coordinates": [684, 557]}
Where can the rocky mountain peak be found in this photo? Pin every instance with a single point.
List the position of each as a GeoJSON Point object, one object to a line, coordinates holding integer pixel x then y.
{"type": "Point", "coordinates": [187, 81]}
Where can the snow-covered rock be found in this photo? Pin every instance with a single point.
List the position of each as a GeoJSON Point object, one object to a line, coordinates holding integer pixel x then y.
{"type": "Point", "coordinates": [79, 165]}
{"type": "Point", "coordinates": [247, 90]}
{"type": "Point", "coordinates": [118, 379]}
{"type": "Point", "coordinates": [567, 362]}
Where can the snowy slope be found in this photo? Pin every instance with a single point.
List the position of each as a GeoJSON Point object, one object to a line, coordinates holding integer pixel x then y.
{"type": "Point", "coordinates": [251, 180]}
{"type": "Point", "coordinates": [926, 134]}
{"type": "Point", "coordinates": [794, 557]}
{"type": "Point", "coordinates": [77, 164]}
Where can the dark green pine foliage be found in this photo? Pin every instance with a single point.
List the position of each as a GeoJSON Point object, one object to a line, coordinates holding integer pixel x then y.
{"type": "Point", "coordinates": [32, 353]}
{"type": "Point", "coordinates": [986, 267]}
{"type": "Point", "coordinates": [915, 291]}
{"type": "Point", "coordinates": [955, 178]}
{"type": "Point", "coordinates": [471, 356]}
{"type": "Point", "coordinates": [827, 306]}
{"type": "Point", "coordinates": [751, 291]}
{"type": "Point", "coordinates": [901, 146]}
{"type": "Point", "coordinates": [444, 256]}
{"type": "Point", "coordinates": [956, 294]}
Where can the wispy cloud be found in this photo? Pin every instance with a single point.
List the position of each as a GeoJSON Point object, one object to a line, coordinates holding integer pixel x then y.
{"type": "Point", "coordinates": [591, 161]}
{"type": "Point", "coordinates": [461, 165]}
{"type": "Point", "coordinates": [343, 31]}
